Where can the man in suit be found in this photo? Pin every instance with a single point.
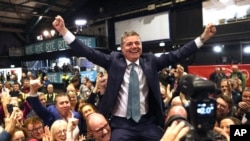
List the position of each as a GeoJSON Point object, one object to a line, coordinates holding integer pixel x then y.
{"type": "Point", "coordinates": [118, 66]}
{"type": "Point", "coordinates": [61, 109]}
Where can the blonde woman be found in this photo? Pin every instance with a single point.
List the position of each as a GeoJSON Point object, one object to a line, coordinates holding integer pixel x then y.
{"type": "Point", "coordinates": [58, 130]}
{"type": "Point", "coordinates": [64, 131]}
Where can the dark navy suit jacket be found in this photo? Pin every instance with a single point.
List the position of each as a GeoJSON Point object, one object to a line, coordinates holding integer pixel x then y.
{"type": "Point", "coordinates": [115, 65]}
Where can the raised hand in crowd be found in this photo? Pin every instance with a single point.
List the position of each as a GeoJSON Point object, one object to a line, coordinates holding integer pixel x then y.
{"type": "Point", "coordinates": [169, 92]}
{"type": "Point", "coordinates": [222, 132]}
{"type": "Point", "coordinates": [34, 86]}
{"type": "Point", "coordinates": [243, 107]}
{"type": "Point", "coordinates": [47, 134]}
{"type": "Point", "coordinates": [71, 126]}
{"type": "Point", "coordinates": [10, 122]}
{"type": "Point", "coordinates": [101, 83]}
{"type": "Point", "coordinates": [5, 100]}
{"type": "Point", "coordinates": [175, 131]}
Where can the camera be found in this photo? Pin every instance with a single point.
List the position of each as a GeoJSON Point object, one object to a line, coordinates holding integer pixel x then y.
{"type": "Point", "coordinates": [202, 107]}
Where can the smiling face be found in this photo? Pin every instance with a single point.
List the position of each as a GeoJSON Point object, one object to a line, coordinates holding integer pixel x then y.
{"type": "Point", "coordinates": [58, 130]}
{"type": "Point", "coordinates": [222, 107]}
{"type": "Point", "coordinates": [63, 104]}
{"type": "Point", "coordinates": [19, 112]}
{"type": "Point", "coordinates": [131, 46]}
{"type": "Point", "coordinates": [86, 110]}
{"type": "Point", "coordinates": [35, 130]}
{"type": "Point", "coordinates": [99, 127]}
{"type": "Point", "coordinates": [225, 125]}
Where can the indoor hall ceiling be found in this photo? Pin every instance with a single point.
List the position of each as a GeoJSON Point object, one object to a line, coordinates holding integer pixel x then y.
{"type": "Point", "coordinates": [24, 17]}
{"type": "Point", "coordinates": [27, 18]}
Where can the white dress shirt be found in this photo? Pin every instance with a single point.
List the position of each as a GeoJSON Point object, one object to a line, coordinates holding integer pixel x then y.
{"type": "Point", "coordinates": [120, 108]}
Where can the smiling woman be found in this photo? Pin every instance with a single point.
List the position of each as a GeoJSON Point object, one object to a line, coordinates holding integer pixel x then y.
{"type": "Point", "coordinates": [62, 130]}
{"type": "Point", "coordinates": [58, 130]}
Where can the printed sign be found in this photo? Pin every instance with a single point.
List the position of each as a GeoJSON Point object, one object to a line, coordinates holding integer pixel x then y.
{"type": "Point", "coordinates": [56, 45]}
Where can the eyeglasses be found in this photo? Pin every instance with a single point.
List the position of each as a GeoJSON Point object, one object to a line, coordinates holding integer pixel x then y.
{"type": "Point", "coordinates": [100, 130]}
{"type": "Point", "coordinates": [35, 130]}
{"type": "Point", "coordinates": [60, 132]}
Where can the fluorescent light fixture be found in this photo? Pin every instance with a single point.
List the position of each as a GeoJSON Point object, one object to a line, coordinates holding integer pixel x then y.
{"type": "Point", "coordinates": [80, 22]}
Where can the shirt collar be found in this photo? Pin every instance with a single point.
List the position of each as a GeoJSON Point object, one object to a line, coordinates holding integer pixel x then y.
{"type": "Point", "coordinates": [129, 62]}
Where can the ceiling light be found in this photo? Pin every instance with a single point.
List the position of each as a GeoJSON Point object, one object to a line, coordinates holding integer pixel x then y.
{"type": "Point", "coordinates": [247, 49]}
{"type": "Point", "coordinates": [118, 48]}
{"type": "Point", "coordinates": [52, 32]}
{"type": "Point", "coordinates": [161, 44]}
{"type": "Point", "coordinates": [217, 49]}
{"type": "Point", "coordinates": [80, 22]}
{"type": "Point", "coordinates": [45, 33]}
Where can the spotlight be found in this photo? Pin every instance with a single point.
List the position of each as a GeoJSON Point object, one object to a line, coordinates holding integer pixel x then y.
{"type": "Point", "coordinates": [217, 49]}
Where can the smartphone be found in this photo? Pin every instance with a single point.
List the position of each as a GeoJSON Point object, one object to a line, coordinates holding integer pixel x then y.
{"type": "Point", "coordinates": [10, 108]}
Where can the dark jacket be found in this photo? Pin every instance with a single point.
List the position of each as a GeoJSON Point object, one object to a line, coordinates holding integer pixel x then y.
{"type": "Point", "coordinates": [115, 64]}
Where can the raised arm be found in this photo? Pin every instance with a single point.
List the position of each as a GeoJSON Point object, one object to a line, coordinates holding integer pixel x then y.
{"type": "Point", "coordinates": [208, 32]}
{"type": "Point", "coordinates": [59, 25]}
{"type": "Point", "coordinates": [36, 104]}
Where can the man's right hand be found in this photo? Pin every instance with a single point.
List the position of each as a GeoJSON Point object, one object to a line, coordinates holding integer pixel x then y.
{"type": "Point", "coordinates": [59, 25]}
{"type": "Point", "coordinates": [34, 86]}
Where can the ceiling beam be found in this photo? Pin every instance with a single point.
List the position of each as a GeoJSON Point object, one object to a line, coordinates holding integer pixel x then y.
{"type": "Point", "coordinates": [49, 4]}
{"type": "Point", "coordinates": [25, 13]}
{"type": "Point", "coordinates": [20, 37]}
{"type": "Point", "coordinates": [11, 18]}
{"type": "Point", "coordinates": [7, 29]}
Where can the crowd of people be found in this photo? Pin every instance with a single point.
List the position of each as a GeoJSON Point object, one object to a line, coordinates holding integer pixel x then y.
{"type": "Point", "coordinates": [98, 111]}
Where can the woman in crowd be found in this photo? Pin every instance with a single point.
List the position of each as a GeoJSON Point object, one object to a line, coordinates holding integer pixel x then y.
{"type": "Point", "coordinates": [18, 134]}
{"type": "Point", "coordinates": [86, 109]}
{"type": "Point", "coordinates": [62, 130]}
{"type": "Point", "coordinates": [226, 122]}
